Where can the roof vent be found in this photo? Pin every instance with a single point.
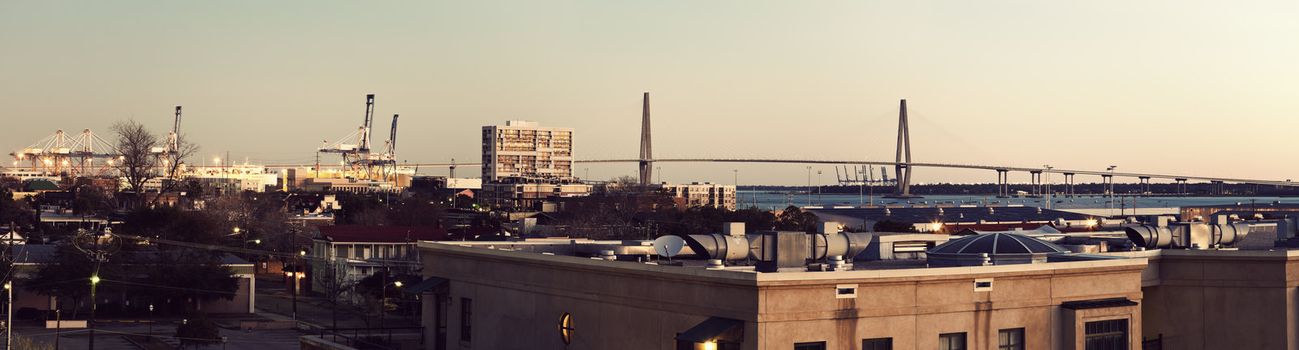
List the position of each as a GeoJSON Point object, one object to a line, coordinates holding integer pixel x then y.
{"type": "Point", "coordinates": [608, 255]}
{"type": "Point", "coordinates": [992, 210]}
{"type": "Point", "coordinates": [1039, 210]}
{"type": "Point", "coordinates": [715, 264]}
{"type": "Point", "coordinates": [940, 211]}
{"type": "Point", "coordinates": [887, 211]}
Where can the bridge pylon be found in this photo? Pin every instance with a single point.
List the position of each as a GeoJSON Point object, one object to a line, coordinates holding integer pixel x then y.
{"type": "Point", "coordinates": [646, 150]}
{"type": "Point", "coordinates": [903, 160]}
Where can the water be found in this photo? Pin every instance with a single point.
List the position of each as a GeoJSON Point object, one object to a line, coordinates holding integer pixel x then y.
{"type": "Point", "coordinates": [768, 200]}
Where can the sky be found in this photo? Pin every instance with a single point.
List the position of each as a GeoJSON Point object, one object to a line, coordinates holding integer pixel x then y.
{"type": "Point", "coordinates": [1191, 87]}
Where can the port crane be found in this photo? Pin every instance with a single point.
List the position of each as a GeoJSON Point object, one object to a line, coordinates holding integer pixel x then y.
{"type": "Point", "coordinates": [358, 159]}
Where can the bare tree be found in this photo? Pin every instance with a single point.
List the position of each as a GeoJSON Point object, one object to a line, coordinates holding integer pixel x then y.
{"type": "Point", "coordinates": [173, 158]}
{"type": "Point", "coordinates": [137, 162]}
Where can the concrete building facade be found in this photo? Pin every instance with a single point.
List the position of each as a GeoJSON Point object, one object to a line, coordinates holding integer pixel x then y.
{"type": "Point", "coordinates": [498, 296]}
{"type": "Point", "coordinates": [705, 194]}
{"type": "Point", "coordinates": [527, 150]}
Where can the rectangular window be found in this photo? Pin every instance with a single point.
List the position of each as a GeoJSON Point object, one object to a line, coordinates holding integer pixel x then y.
{"type": "Point", "coordinates": [820, 345]}
{"type": "Point", "coordinates": [951, 341]}
{"type": "Point", "coordinates": [466, 319]}
{"type": "Point", "coordinates": [1010, 339]}
{"type": "Point", "coordinates": [1107, 335]}
{"type": "Point", "coordinates": [877, 344]}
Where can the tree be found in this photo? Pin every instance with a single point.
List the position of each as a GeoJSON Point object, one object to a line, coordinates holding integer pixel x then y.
{"type": "Point", "coordinates": [893, 226]}
{"type": "Point", "coordinates": [795, 219]}
{"type": "Point", "coordinates": [174, 157]}
{"type": "Point", "coordinates": [136, 163]}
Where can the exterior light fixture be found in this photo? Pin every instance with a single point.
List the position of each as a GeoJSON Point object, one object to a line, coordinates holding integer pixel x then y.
{"type": "Point", "coordinates": [94, 279]}
{"type": "Point", "coordinates": [397, 284]}
{"type": "Point", "coordinates": [566, 328]}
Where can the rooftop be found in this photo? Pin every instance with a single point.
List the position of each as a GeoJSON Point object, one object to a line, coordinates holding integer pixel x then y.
{"type": "Point", "coordinates": [954, 214]}
{"type": "Point", "coordinates": [694, 269]}
{"type": "Point", "coordinates": [381, 234]}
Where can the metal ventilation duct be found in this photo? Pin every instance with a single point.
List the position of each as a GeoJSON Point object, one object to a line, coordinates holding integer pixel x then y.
{"type": "Point", "coordinates": [765, 247]}
{"type": "Point", "coordinates": [1187, 235]}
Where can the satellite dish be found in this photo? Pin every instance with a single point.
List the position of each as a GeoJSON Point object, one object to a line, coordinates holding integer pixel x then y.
{"type": "Point", "coordinates": [669, 246]}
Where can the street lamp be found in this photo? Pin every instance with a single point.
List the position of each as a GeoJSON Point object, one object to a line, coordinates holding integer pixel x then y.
{"type": "Point", "coordinates": [9, 324]}
{"type": "Point", "coordinates": [151, 320]}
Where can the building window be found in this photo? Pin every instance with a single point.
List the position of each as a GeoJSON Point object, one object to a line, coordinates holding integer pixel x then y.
{"type": "Point", "coordinates": [819, 345]}
{"type": "Point", "coordinates": [951, 341]}
{"type": "Point", "coordinates": [877, 344]}
{"type": "Point", "coordinates": [466, 319]}
{"type": "Point", "coordinates": [1107, 335]}
{"type": "Point", "coordinates": [1010, 339]}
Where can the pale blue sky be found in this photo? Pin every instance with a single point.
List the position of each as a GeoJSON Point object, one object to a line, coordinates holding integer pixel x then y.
{"type": "Point", "coordinates": [1175, 86]}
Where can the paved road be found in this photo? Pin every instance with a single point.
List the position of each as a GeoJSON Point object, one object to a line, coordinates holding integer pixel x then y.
{"type": "Point", "coordinates": [109, 337]}
{"type": "Point", "coordinates": [272, 298]}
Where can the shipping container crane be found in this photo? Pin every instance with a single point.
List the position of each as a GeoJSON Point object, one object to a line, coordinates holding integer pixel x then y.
{"type": "Point", "coordinates": [358, 159]}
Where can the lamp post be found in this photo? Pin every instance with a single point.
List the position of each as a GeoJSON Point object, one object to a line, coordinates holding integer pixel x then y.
{"type": "Point", "coordinates": [1047, 173]}
{"type": "Point", "coordinates": [94, 305]}
{"type": "Point", "coordinates": [9, 324]}
{"type": "Point", "coordinates": [98, 246]}
{"type": "Point", "coordinates": [736, 183]}
{"type": "Point", "coordinates": [809, 185]}
{"type": "Point", "coordinates": [1111, 187]}
{"type": "Point", "coordinates": [58, 326]}
{"type": "Point", "coordinates": [298, 274]}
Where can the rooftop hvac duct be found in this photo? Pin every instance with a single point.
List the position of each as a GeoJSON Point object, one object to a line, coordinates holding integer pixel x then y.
{"type": "Point", "coordinates": [779, 249]}
{"type": "Point", "coordinates": [1187, 235]}
{"type": "Point", "coordinates": [715, 246]}
{"type": "Point", "coordinates": [1149, 236]}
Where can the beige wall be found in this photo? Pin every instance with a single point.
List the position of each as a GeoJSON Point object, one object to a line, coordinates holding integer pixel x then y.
{"type": "Point", "coordinates": [1223, 299]}
{"type": "Point", "coordinates": [914, 310]}
{"type": "Point", "coordinates": [519, 298]}
{"type": "Point", "coordinates": [517, 303]}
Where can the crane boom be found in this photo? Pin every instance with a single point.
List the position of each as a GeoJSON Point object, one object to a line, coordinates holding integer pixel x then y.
{"type": "Point", "coordinates": [369, 121]}
{"type": "Point", "coordinates": [392, 138]}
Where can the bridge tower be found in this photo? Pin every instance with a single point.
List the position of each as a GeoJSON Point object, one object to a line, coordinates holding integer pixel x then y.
{"type": "Point", "coordinates": [903, 170]}
{"type": "Point", "coordinates": [646, 150]}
